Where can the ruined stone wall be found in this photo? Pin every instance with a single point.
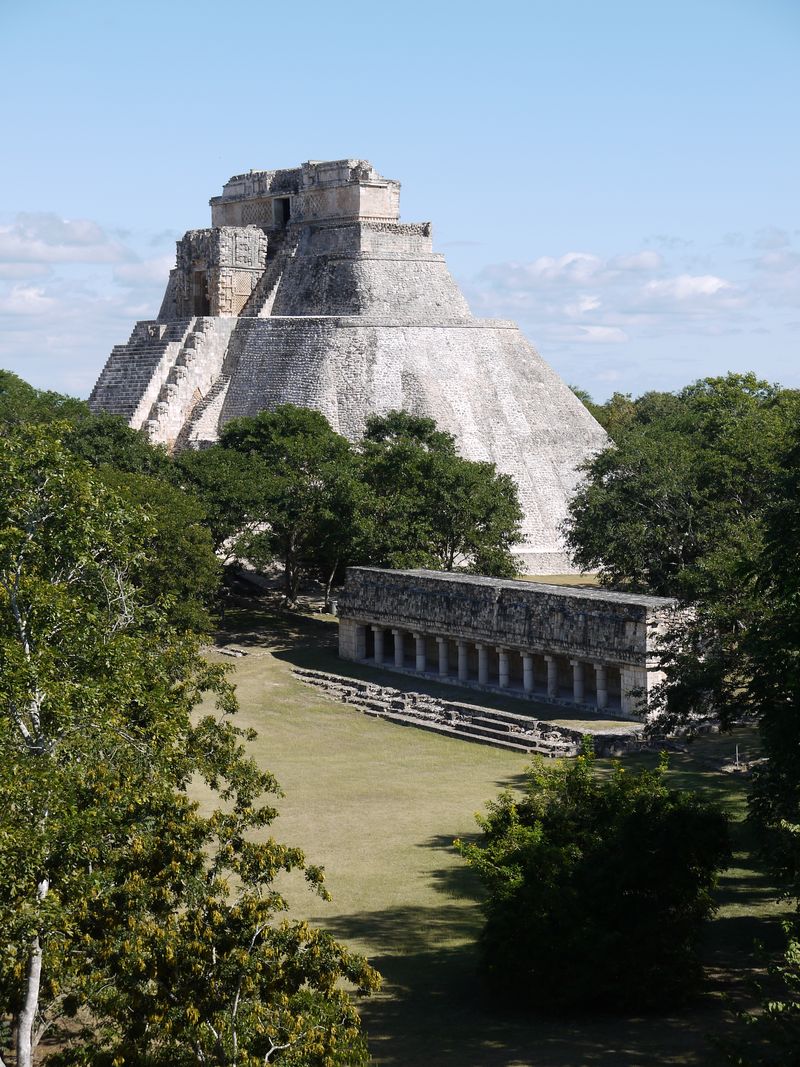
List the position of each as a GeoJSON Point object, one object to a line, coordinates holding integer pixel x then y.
{"type": "Point", "coordinates": [247, 198]}
{"type": "Point", "coordinates": [609, 627]}
{"type": "Point", "coordinates": [396, 238]}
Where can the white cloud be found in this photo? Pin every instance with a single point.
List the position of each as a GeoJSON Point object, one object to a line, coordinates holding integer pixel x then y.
{"type": "Point", "coordinates": [26, 300]}
{"type": "Point", "coordinates": [686, 287]}
{"type": "Point", "coordinates": [605, 335]}
{"type": "Point", "coordinates": [146, 273]}
{"type": "Point", "coordinates": [47, 238]}
{"type": "Point", "coordinates": [646, 260]}
{"type": "Point", "coordinates": [582, 306]}
{"type": "Point", "coordinates": [24, 270]}
{"type": "Point", "coordinates": [590, 313]}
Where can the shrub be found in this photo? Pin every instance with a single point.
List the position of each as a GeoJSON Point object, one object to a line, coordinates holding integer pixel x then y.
{"type": "Point", "coordinates": [597, 888]}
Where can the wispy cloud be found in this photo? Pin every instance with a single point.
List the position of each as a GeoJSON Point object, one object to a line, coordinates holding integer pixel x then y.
{"type": "Point", "coordinates": [146, 273]}
{"type": "Point", "coordinates": [46, 238]}
{"type": "Point", "coordinates": [578, 302]}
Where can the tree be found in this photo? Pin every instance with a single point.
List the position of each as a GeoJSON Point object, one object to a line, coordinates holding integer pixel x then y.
{"type": "Point", "coordinates": [309, 500]}
{"type": "Point", "coordinates": [232, 487]}
{"type": "Point", "coordinates": [179, 573]}
{"type": "Point", "coordinates": [20, 403]}
{"type": "Point", "coordinates": [677, 507]}
{"type": "Point", "coordinates": [107, 440]}
{"type": "Point", "coordinates": [621, 412]}
{"type": "Point", "coordinates": [683, 490]}
{"type": "Point", "coordinates": [771, 649]}
{"type": "Point", "coordinates": [597, 889]}
{"type": "Point", "coordinates": [117, 896]}
{"type": "Point", "coordinates": [432, 508]}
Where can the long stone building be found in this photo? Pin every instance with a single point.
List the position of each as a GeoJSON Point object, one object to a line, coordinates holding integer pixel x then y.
{"type": "Point", "coordinates": [581, 646]}
{"type": "Point", "coordinates": [307, 289]}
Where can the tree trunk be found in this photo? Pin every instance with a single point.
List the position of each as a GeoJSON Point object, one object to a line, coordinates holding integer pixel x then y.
{"type": "Point", "coordinates": [33, 982]}
{"type": "Point", "coordinates": [329, 585]}
{"type": "Point", "coordinates": [27, 1016]}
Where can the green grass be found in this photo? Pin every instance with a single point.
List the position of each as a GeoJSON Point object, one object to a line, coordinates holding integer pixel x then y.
{"type": "Point", "coordinates": [379, 806]}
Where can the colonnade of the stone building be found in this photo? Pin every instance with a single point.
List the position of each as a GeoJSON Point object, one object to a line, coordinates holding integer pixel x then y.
{"type": "Point", "coordinates": [412, 650]}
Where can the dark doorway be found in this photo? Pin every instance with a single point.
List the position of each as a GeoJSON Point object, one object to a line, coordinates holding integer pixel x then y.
{"type": "Point", "coordinates": [200, 301]}
{"type": "Point", "coordinates": [281, 210]}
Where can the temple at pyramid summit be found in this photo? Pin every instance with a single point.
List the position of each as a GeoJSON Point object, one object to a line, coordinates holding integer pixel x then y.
{"type": "Point", "coordinates": [307, 289]}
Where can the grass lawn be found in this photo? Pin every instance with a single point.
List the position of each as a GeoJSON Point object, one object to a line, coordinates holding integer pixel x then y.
{"type": "Point", "coordinates": [379, 806]}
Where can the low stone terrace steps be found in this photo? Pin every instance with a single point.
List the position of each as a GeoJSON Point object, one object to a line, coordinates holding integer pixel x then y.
{"type": "Point", "coordinates": [486, 726]}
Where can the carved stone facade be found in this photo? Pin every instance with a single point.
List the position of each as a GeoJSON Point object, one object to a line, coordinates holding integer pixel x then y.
{"type": "Point", "coordinates": [307, 289]}
{"type": "Point", "coordinates": [217, 270]}
{"type": "Point", "coordinates": [584, 647]}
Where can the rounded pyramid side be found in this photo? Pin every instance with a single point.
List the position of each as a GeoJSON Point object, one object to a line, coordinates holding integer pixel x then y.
{"type": "Point", "coordinates": [480, 380]}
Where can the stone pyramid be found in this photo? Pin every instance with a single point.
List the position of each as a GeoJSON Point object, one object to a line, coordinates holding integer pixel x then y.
{"type": "Point", "coordinates": [307, 289]}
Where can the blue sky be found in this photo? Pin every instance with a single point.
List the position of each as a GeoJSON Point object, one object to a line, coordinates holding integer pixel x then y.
{"type": "Point", "coordinates": [620, 178]}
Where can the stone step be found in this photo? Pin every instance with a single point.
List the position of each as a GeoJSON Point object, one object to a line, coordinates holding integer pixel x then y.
{"type": "Point", "coordinates": [454, 731]}
{"type": "Point", "coordinates": [473, 721]}
{"type": "Point", "coordinates": [427, 713]}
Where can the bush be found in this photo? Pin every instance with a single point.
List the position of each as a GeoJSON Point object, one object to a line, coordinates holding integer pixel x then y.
{"type": "Point", "coordinates": [598, 889]}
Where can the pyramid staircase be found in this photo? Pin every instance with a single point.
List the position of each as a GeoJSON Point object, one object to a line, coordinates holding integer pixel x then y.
{"type": "Point", "coordinates": [282, 247]}
{"type": "Point", "coordinates": [192, 377]}
{"type": "Point", "coordinates": [135, 372]}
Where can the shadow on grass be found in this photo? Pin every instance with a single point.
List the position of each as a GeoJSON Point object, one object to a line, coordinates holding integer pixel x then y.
{"type": "Point", "coordinates": [263, 622]}
{"type": "Point", "coordinates": [457, 881]}
{"type": "Point", "coordinates": [434, 1010]}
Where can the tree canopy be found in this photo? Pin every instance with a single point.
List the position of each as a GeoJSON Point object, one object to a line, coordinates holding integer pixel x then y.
{"type": "Point", "coordinates": [283, 486]}
{"type": "Point", "coordinates": [118, 897]}
{"type": "Point", "coordinates": [430, 507]}
{"type": "Point", "coordinates": [700, 496]}
{"type": "Point", "coordinates": [597, 889]}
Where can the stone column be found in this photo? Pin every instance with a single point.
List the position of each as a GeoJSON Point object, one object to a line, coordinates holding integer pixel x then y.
{"type": "Point", "coordinates": [483, 663]}
{"type": "Point", "coordinates": [633, 691]}
{"type": "Point", "coordinates": [552, 676]}
{"type": "Point", "coordinates": [422, 662]}
{"type": "Point", "coordinates": [527, 672]}
{"type": "Point", "coordinates": [463, 661]}
{"type": "Point", "coordinates": [399, 648]}
{"type": "Point", "coordinates": [602, 685]}
{"type": "Point", "coordinates": [361, 641]}
{"type": "Point", "coordinates": [577, 680]}
{"type": "Point", "coordinates": [503, 671]}
{"type": "Point", "coordinates": [444, 657]}
{"type": "Point", "coordinates": [378, 631]}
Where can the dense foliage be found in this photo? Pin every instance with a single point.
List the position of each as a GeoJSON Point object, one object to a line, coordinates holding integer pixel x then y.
{"type": "Point", "coordinates": [429, 507]}
{"type": "Point", "coordinates": [678, 500]}
{"type": "Point", "coordinates": [283, 486]}
{"type": "Point", "coordinates": [700, 497]}
{"type": "Point", "coordinates": [597, 889]}
{"type": "Point", "coordinates": [119, 900]}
